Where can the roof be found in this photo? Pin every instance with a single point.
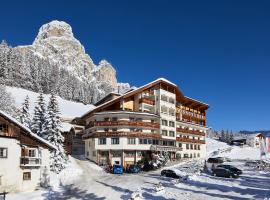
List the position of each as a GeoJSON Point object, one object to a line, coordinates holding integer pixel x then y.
{"type": "Point", "coordinates": [148, 85]}
{"type": "Point", "coordinates": [66, 127]}
{"type": "Point", "coordinates": [10, 118]}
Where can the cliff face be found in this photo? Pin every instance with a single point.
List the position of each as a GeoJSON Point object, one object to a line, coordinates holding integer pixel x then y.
{"type": "Point", "coordinates": [55, 41]}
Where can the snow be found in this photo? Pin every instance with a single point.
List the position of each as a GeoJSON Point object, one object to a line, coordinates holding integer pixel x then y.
{"type": "Point", "coordinates": [67, 108]}
{"type": "Point", "coordinates": [65, 127]}
{"type": "Point", "coordinates": [26, 129]}
{"type": "Point", "coordinates": [95, 183]}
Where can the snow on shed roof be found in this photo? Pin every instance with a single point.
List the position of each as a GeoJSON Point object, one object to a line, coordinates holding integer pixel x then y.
{"type": "Point", "coordinates": [26, 129]}
{"type": "Point", "coordinates": [66, 127]}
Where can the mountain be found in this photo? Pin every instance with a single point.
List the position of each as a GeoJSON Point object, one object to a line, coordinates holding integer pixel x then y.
{"type": "Point", "coordinates": [57, 62]}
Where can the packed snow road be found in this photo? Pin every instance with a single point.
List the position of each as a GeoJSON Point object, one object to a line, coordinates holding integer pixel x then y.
{"type": "Point", "coordinates": [95, 184]}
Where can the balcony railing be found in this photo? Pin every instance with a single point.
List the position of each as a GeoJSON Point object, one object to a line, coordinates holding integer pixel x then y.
{"type": "Point", "coordinates": [30, 161]}
{"type": "Point", "coordinates": [124, 134]}
{"type": "Point", "coordinates": [125, 123]}
{"type": "Point", "coordinates": [183, 139]}
{"type": "Point", "coordinates": [147, 100]}
{"type": "Point", "coordinates": [184, 130]}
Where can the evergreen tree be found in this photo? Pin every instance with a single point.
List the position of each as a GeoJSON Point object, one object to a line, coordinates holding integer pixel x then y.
{"type": "Point", "coordinates": [52, 133]}
{"type": "Point", "coordinates": [231, 137]}
{"type": "Point", "coordinates": [39, 117]}
{"type": "Point", "coordinates": [222, 137]}
{"type": "Point", "coordinates": [24, 116]}
{"type": "Point", "coordinates": [6, 101]}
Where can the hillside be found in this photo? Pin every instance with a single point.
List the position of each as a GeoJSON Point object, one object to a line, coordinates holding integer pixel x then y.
{"type": "Point", "coordinates": [68, 109]}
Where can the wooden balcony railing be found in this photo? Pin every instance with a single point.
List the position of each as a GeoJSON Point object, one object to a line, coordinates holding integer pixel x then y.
{"type": "Point", "coordinates": [182, 139]}
{"type": "Point", "coordinates": [123, 134]}
{"type": "Point", "coordinates": [183, 130]}
{"type": "Point", "coordinates": [147, 100]}
{"type": "Point", "coordinates": [30, 161]}
{"type": "Point", "coordinates": [125, 123]}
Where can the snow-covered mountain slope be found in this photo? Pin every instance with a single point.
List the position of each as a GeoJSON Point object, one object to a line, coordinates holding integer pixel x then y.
{"type": "Point", "coordinates": [56, 42]}
{"type": "Point", "coordinates": [68, 109]}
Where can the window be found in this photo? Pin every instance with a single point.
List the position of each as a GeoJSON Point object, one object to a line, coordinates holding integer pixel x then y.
{"type": "Point", "coordinates": [106, 119]}
{"type": "Point", "coordinates": [114, 119]}
{"type": "Point", "coordinates": [130, 154]}
{"type": "Point", "coordinates": [171, 133]}
{"type": "Point", "coordinates": [106, 129]}
{"type": "Point", "coordinates": [164, 97]}
{"type": "Point", "coordinates": [164, 122]}
{"type": "Point", "coordinates": [114, 129]}
{"type": "Point", "coordinates": [132, 129]}
{"type": "Point", "coordinates": [195, 146]}
{"type": "Point", "coordinates": [187, 146]}
{"type": "Point", "coordinates": [26, 176]}
{"type": "Point", "coordinates": [139, 154]}
{"type": "Point", "coordinates": [194, 155]}
{"type": "Point", "coordinates": [139, 119]}
{"type": "Point", "coordinates": [171, 100]}
{"type": "Point", "coordinates": [143, 141]}
{"type": "Point", "coordinates": [191, 155]}
{"type": "Point", "coordinates": [3, 152]}
{"type": "Point", "coordinates": [32, 153]}
{"type": "Point", "coordinates": [164, 109]}
{"type": "Point", "coordinates": [191, 146]}
{"type": "Point", "coordinates": [4, 128]}
{"type": "Point", "coordinates": [132, 119]}
{"type": "Point", "coordinates": [155, 142]}
{"type": "Point", "coordinates": [185, 155]}
{"type": "Point", "coordinates": [165, 132]}
{"type": "Point", "coordinates": [102, 141]}
{"type": "Point", "coordinates": [171, 112]}
{"type": "Point", "coordinates": [198, 155]}
{"type": "Point", "coordinates": [94, 153]}
{"type": "Point", "coordinates": [131, 140]}
{"type": "Point", "coordinates": [180, 145]}
{"type": "Point", "coordinates": [171, 124]}
{"type": "Point", "coordinates": [199, 148]}
{"type": "Point", "coordinates": [115, 141]}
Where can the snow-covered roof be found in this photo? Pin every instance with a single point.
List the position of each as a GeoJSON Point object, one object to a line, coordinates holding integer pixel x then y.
{"type": "Point", "coordinates": [26, 129]}
{"type": "Point", "coordinates": [196, 100]}
{"type": "Point", "coordinates": [66, 127]}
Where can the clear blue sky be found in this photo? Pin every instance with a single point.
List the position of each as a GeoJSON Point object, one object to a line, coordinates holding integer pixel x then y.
{"type": "Point", "coordinates": [216, 51]}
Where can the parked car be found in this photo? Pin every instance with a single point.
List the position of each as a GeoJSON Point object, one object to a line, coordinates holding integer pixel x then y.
{"type": "Point", "coordinates": [169, 173]}
{"type": "Point", "coordinates": [232, 168]}
{"type": "Point", "coordinates": [254, 163]}
{"type": "Point", "coordinates": [223, 172]}
{"type": "Point", "coordinates": [224, 159]}
{"type": "Point", "coordinates": [215, 160]}
{"type": "Point", "coordinates": [117, 169]}
{"type": "Point", "coordinates": [133, 169]}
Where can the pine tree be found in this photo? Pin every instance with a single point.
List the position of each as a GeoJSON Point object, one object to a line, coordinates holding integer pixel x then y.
{"type": "Point", "coordinates": [231, 137]}
{"type": "Point", "coordinates": [52, 133]}
{"type": "Point", "coordinates": [222, 137]}
{"type": "Point", "coordinates": [6, 101]}
{"type": "Point", "coordinates": [24, 116]}
{"type": "Point", "coordinates": [39, 117]}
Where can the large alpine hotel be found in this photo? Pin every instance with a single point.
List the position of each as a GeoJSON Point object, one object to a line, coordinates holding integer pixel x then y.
{"type": "Point", "coordinates": [156, 117]}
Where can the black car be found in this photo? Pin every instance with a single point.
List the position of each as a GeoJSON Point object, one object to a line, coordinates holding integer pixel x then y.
{"type": "Point", "coordinates": [223, 172]}
{"type": "Point", "coordinates": [169, 173]}
{"type": "Point", "coordinates": [232, 168]}
{"type": "Point", "coordinates": [215, 160]}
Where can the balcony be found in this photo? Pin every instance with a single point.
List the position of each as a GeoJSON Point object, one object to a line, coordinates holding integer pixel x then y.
{"type": "Point", "coordinates": [182, 139]}
{"type": "Point", "coordinates": [147, 100]}
{"type": "Point", "coordinates": [30, 162]}
{"type": "Point", "coordinates": [193, 132]}
{"type": "Point", "coordinates": [125, 134]}
{"type": "Point", "coordinates": [165, 148]}
{"type": "Point", "coordinates": [126, 123]}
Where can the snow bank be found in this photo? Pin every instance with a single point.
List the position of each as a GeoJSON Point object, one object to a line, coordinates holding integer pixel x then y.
{"type": "Point", "coordinates": [71, 173]}
{"type": "Point", "coordinates": [68, 108]}
{"type": "Point", "coordinates": [242, 153]}
{"type": "Point", "coordinates": [214, 145]}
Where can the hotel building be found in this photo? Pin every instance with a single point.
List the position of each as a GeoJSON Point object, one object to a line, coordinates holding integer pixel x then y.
{"type": "Point", "coordinates": [156, 117]}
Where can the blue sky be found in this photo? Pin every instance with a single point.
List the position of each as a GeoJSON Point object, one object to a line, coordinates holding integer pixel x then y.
{"type": "Point", "coordinates": [215, 51]}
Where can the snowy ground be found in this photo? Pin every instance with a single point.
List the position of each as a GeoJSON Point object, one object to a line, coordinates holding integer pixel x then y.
{"type": "Point", "coordinates": [94, 183]}
{"type": "Point", "coordinates": [68, 108]}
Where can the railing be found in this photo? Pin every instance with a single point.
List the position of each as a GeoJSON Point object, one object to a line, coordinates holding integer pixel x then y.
{"type": "Point", "coordinates": [124, 134]}
{"type": "Point", "coordinates": [183, 130]}
{"type": "Point", "coordinates": [182, 139]}
{"type": "Point", "coordinates": [165, 148]}
{"type": "Point", "coordinates": [30, 161]}
{"type": "Point", "coordinates": [147, 100]}
{"type": "Point", "coordinates": [201, 123]}
{"type": "Point", "coordinates": [124, 123]}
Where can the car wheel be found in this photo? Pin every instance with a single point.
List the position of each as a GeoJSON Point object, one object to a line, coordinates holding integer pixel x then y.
{"type": "Point", "coordinates": [215, 174]}
{"type": "Point", "coordinates": [231, 176]}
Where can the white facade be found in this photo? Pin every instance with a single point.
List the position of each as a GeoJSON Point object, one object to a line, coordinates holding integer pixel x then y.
{"type": "Point", "coordinates": [12, 170]}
